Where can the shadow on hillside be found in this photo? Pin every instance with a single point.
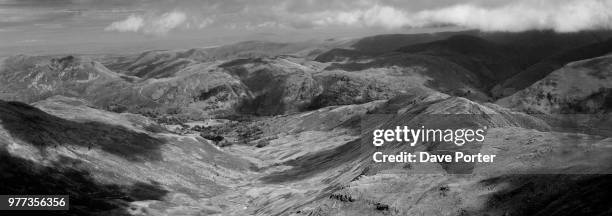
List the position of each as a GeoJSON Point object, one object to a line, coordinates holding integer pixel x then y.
{"type": "Point", "coordinates": [309, 165]}
{"type": "Point", "coordinates": [40, 129]}
{"type": "Point", "coordinates": [551, 195]}
{"type": "Point", "coordinates": [87, 197]}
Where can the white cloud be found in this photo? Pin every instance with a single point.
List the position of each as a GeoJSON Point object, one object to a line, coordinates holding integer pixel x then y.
{"type": "Point", "coordinates": [558, 15]}
{"type": "Point", "coordinates": [165, 23]}
{"type": "Point", "coordinates": [487, 15]}
{"type": "Point", "coordinates": [154, 25]}
{"type": "Point", "coordinates": [383, 16]}
{"type": "Point", "coordinates": [205, 22]}
{"type": "Point", "coordinates": [562, 16]}
{"type": "Point", "coordinates": [131, 24]}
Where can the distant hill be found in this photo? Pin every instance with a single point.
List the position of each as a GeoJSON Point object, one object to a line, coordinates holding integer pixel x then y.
{"type": "Point", "coordinates": [498, 63]}
{"type": "Point", "coordinates": [489, 61]}
{"type": "Point", "coordinates": [379, 44]}
{"type": "Point", "coordinates": [579, 87]}
{"type": "Point", "coordinates": [544, 67]}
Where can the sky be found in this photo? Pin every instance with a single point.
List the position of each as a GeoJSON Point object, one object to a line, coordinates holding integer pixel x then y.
{"type": "Point", "coordinates": [94, 26]}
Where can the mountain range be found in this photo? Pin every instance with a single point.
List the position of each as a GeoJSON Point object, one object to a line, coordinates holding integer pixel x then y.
{"type": "Point", "coordinates": [266, 128]}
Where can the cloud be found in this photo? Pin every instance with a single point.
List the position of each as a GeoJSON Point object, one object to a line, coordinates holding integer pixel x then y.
{"type": "Point", "coordinates": [205, 22]}
{"type": "Point", "coordinates": [486, 15]}
{"type": "Point", "coordinates": [165, 23]}
{"type": "Point", "coordinates": [383, 16]}
{"type": "Point", "coordinates": [152, 25]}
{"type": "Point", "coordinates": [561, 15]}
{"type": "Point", "coordinates": [131, 24]}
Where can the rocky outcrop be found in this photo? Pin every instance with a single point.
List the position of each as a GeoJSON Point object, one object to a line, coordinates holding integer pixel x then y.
{"type": "Point", "coordinates": [29, 79]}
